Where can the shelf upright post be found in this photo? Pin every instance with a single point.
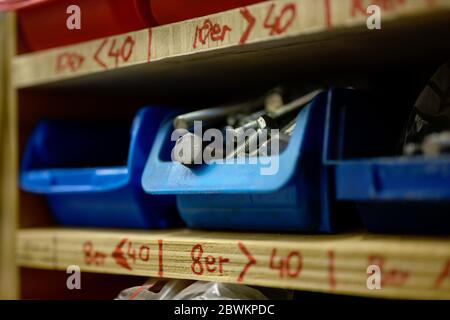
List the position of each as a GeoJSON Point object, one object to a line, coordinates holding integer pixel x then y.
{"type": "Point", "coordinates": [9, 278]}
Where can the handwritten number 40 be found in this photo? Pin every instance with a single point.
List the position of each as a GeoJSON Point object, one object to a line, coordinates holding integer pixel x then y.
{"type": "Point", "coordinates": [290, 266]}
{"type": "Point", "coordinates": [123, 52]}
{"type": "Point", "coordinates": [280, 23]}
{"type": "Point", "coordinates": [120, 52]}
{"type": "Point", "coordinates": [143, 253]}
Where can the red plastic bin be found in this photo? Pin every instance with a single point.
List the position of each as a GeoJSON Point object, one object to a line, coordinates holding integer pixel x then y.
{"type": "Point", "coordinates": [168, 11]}
{"type": "Point", "coordinates": [43, 22]}
{"type": "Point", "coordinates": [8, 5]}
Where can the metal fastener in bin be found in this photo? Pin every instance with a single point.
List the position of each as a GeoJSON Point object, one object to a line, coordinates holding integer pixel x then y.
{"type": "Point", "coordinates": [391, 193]}
{"type": "Point", "coordinates": [91, 173]}
{"type": "Point", "coordinates": [238, 196]}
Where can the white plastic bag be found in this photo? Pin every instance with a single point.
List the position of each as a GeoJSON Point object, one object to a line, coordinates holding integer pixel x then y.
{"type": "Point", "coordinates": [156, 289]}
{"type": "Point", "coordinates": [202, 290]}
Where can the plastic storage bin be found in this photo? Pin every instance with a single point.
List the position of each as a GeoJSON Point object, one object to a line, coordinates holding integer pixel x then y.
{"type": "Point", "coordinates": [91, 173]}
{"type": "Point", "coordinates": [43, 23]}
{"type": "Point", "coordinates": [7, 5]}
{"type": "Point", "coordinates": [391, 193]}
{"type": "Point", "coordinates": [168, 11]}
{"type": "Point", "coordinates": [238, 196]}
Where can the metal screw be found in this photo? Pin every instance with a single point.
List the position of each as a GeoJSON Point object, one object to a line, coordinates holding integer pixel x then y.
{"type": "Point", "coordinates": [436, 144]}
{"type": "Point", "coordinates": [274, 99]}
{"type": "Point", "coordinates": [188, 149]}
{"type": "Point", "coordinates": [212, 116]}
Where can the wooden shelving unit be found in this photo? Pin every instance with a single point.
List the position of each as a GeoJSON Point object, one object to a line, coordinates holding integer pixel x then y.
{"type": "Point", "coordinates": [8, 163]}
{"type": "Point", "coordinates": [310, 37]}
{"type": "Point", "coordinates": [412, 267]}
{"type": "Point", "coordinates": [307, 30]}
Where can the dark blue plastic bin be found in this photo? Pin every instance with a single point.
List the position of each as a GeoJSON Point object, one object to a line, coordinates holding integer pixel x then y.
{"type": "Point", "coordinates": [91, 173]}
{"type": "Point", "coordinates": [392, 194]}
{"type": "Point", "coordinates": [237, 196]}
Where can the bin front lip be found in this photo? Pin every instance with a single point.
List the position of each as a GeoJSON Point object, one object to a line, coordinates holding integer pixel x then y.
{"type": "Point", "coordinates": [59, 181]}
{"type": "Point", "coordinates": [395, 161]}
{"type": "Point", "coordinates": [380, 179]}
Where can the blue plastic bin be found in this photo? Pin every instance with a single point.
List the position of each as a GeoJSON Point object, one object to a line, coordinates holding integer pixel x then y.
{"type": "Point", "coordinates": [91, 173]}
{"type": "Point", "coordinates": [238, 196]}
{"type": "Point", "coordinates": [391, 193]}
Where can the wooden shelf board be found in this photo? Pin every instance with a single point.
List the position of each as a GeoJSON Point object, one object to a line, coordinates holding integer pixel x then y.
{"type": "Point", "coordinates": [411, 267]}
{"type": "Point", "coordinates": [311, 34]}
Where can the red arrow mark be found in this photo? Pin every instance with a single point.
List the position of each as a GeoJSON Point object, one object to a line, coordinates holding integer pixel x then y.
{"type": "Point", "coordinates": [251, 261]}
{"type": "Point", "coordinates": [444, 274]}
{"type": "Point", "coordinates": [118, 255]}
{"type": "Point", "coordinates": [251, 22]}
{"type": "Point", "coordinates": [97, 53]}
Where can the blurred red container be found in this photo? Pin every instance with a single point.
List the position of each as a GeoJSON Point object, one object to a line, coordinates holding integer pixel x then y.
{"type": "Point", "coordinates": [43, 23]}
{"type": "Point", "coordinates": [8, 5]}
{"type": "Point", "coordinates": [168, 11]}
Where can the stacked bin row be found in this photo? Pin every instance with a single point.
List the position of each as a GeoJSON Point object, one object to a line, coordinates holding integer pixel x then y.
{"type": "Point", "coordinates": [336, 155]}
{"type": "Point", "coordinates": [48, 23]}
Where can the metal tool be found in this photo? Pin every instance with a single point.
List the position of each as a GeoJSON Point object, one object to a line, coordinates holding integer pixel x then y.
{"type": "Point", "coordinates": [244, 148]}
{"type": "Point", "coordinates": [214, 116]}
{"type": "Point", "coordinates": [274, 99]}
{"type": "Point", "coordinates": [412, 149]}
{"type": "Point", "coordinates": [283, 138]}
{"type": "Point", "coordinates": [257, 126]}
{"type": "Point", "coordinates": [436, 144]}
{"type": "Point", "coordinates": [289, 128]}
{"type": "Point", "coordinates": [259, 123]}
{"type": "Point", "coordinates": [294, 105]}
{"type": "Point", "coordinates": [188, 149]}
{"type": "Point", "coordinates": [275, 120]}
{"type": "Point", "coordinates": [271, 121]}
{"type": "Point", "coordinates": [240, 119]}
